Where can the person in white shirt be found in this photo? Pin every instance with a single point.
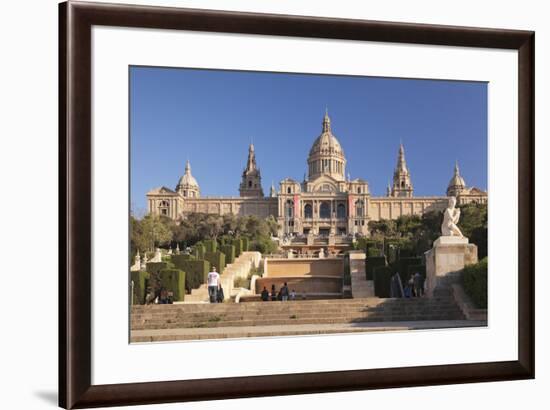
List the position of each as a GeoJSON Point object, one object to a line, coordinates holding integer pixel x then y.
{"type": "Point", "coordinates": [213, 279]}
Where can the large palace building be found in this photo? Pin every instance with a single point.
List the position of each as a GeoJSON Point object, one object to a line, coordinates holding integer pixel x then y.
{"type": "Point", "coordinates": [325, 203]}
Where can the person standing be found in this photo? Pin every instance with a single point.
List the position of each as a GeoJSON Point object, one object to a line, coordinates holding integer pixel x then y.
{"type": "Point", "coordinates": [265, 295]}
{"type": "Point", "coordinates": [273, 293]}
{"type": "Point", "coordinates": [213, 279]}
{"type": "Point", "coordinates": [284, 292]}
{"type": "Point", "coordinates": [418, 284]}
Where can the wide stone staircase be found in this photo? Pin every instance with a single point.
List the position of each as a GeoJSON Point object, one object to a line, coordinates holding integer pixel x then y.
{"type": "Point", "coordinates": [294, 313]}
{"type": "Point", "coordinates": [240, 268]}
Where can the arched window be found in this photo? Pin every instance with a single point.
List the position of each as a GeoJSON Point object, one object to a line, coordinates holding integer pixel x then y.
{"type": "Point", "coordinates": [289, 208]}
{"type": "Point", "coordinates": [359, 209]}
{"type": "Point", "coordinates": [341, 211]}
{"type": "Point", "coordinates": [324, 210]}
{"type": "Point", "coordinates": [289, 190]}
{"type": "Point", "coordinates": [308, 211]}
{"type": "Point", "coordinates": [358, 189]}
{"type": "Point", "coordinates": [163, 207]}
{"type": "Point", "coordinates": [250, 184]}
{"type": "Point", "coordinates": [402, 184]}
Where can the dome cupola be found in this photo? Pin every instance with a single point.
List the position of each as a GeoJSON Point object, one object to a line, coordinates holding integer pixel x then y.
{"type": "Point", "coordinates": [187, 185]}
{"type": "Point", "coordinates": [326, 156]}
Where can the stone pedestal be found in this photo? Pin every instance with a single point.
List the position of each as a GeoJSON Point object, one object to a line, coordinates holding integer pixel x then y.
{"type": "Point", "coordinates": [445, 260]}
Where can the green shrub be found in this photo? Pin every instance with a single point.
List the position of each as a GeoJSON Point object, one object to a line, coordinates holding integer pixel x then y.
{"type": "Point", "coordinates": [195, 271]}
{"type": "Point", "coordinates": [474, 280]}
{"type": "Point", "coordinates": [229, 251]}
{"type": "Point", "coordinates": [373, 252]}
{"type": "Point", "coordinates": [373, 262]}
{"type": "Point", "coordinates": [246, 244]}
{"type": "Point", "coordinates": [397, 248]}
{"type": "Point", "coordinates": [238, 243]}
{"type": "Point", "coordinates": [382, 277]}
{"type": "Point", "coordinates": [216, 259]}
{"type": "Point", "coordinates": [140, 279]}
{"type": "Point", "coordinates": [174, 280]}
{"type": "Point", "coordinates": [210, 245]}
{"type": "Point", "coordinates": [156, 267]}
{"type": "Point", "coordinates": [263, 245]}
{"type": "Point", "coordinates": [372, 245]}
{"type": "Point", "coordinates": [188, 257]}
{"type": "Point", "coordinates": [199, 250]}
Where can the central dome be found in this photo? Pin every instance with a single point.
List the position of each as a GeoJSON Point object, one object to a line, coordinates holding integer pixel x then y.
{"type": "Point", "coordinates": [326, 142]}
{"type": "Point", "coordinates": [326, 156]}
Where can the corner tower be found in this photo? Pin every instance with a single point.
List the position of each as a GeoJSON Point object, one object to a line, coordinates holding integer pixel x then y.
{"type": "Point", "coordinates": [402, 186]}
{"type": "Point", "coordinates": [251, 181]}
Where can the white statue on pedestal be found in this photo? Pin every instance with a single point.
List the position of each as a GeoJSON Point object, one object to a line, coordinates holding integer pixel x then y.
{"type": "Point", "coordinates": [137, 263]}
{"type": "Point", "coordinates": [158, 256]}
{"type": "Point", "coordinates": [322, 253]}
{"type": "Point", "coordinates": [451, 215]}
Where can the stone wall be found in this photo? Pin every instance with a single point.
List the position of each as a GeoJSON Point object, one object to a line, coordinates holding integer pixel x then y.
{"type": "Point", "coordinates": [304, 267]}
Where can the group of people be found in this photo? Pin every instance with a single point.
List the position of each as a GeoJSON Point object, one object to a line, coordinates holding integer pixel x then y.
{"type": "Point", "coordinates": [215, 289]}
{"type": "Point", "coordinates": [283, 294]}
{"type": "Point", "coordinates": [413, 288]}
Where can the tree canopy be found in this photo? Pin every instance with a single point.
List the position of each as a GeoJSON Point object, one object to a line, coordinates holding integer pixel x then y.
{"type": "Point", "coordinates": [152, 231]}
{"type": "Point", "coordinates": [419, 232]}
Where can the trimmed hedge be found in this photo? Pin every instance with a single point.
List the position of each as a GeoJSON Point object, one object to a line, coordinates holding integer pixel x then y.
{"type": "Point", "coordinates": [156, 267]}
{"type": "Point", "coordinates": [210, 245]}
{"type": "Point", "coordinates": [140, 279]}
{"type": "Point", "coordinates": [174, 280]}
{"type": "Point", "coordinates": [199, 250]}
{"type": "Point", "coordinates": [474, 281]}
{"type": "Point", "coordinates": [398, 248]}
{"type": "Point", "coordinates": [382, 277]}
{"type": "Point", "coordinates": [195, 271]}
{"type": "Point", "coordinates": [373, 262]}
{"type": "Point", "coordinates": [229, 251]}
{"type": "Point", "coordinates": [216, 259]}
{"type": "Point", "coordinates": [238, 243]}
{"type": "Point", "coordinates": [246, 244]}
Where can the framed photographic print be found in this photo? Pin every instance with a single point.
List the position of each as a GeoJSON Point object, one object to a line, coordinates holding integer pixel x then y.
{"type": "Point", "coordinates": [266, 204]}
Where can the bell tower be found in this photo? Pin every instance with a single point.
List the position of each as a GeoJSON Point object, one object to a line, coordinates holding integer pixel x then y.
{"type": "Point", "coordinates": [251, 181]}
{"type": "Point", "coordinates": [402, 186]}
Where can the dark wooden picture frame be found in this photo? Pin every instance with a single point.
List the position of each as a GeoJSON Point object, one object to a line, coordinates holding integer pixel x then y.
{"type": "Point", "coordinates": [75, 62]}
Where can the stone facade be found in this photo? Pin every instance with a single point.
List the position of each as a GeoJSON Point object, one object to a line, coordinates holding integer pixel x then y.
{"type": "Point", "coordinates": [325, 203]}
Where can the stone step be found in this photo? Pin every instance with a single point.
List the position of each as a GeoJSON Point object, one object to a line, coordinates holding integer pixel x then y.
{"type": "Point", "coordinates": [296, 320]}
{"type": "Point", "coordinates": [281, 307]}
{"type": "Point", "coordinates": [290, 307]}
{"type": "Point", "coordinates": [171, 323]}
{"type": "Point", "coordinates": [311, 303]}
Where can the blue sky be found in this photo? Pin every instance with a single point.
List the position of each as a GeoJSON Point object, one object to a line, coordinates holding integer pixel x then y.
{"type": "Point", "coordinates": [210, 117]}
